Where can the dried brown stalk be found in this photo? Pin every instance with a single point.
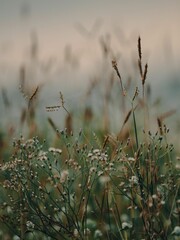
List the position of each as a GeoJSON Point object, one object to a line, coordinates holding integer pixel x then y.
{"type": "Point", "coordinates": [139, 48]}
{"type": "Point", "coordinates": [52, 124]}
{"type": "Point", "coordinates": [56, 107]}
{"type": "Point", "coordinates": [63, 102]}
{"type": "Point", "coordinates": [52, 108]}
{"type": "Point", "coordinates": [114, 65]}
{"type": "Point", "coordinates": [33, 96]}
{"type": "Point", "coordinates": [140, 67]}
{"type": "Point", "coordinates": [69, 124]}
{"type": "Point", "coordinates": [159, 121]}
{"type": "Point", "coordinates": [127, 117]}
{"type": "Point", "coordinates": [135, 94]}
{"type": "Point", "coordinates": [105, 141]}
{"type": "Point", "coordinates": [144, 74]}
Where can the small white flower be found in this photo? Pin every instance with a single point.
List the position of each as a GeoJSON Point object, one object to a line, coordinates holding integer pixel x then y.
{"type": "Point", "coordinates": [75, 233]}
{"type": "Point", "coordinates": [51, 149]}
{"type": "Point", "coordinates": [64, 175]}
{"type": "Point", "coordinates": [97, 234]}
{"type": "Point", "coordinates": [126, 225]}
{"type": "Point", "coordinates": [154, 196]}
{"type": "Point", "coordinates": [176, 231]}
{"type": "Point", "coordinates": [177, 166]}
{"type": "Point", "coordinates": [122, 184]}
{"type": "Point", "coordinates": [100, 173]}
{"type": "Point", "coordinates": [104, 179]}
{"type": "Point", "coordinates": [29, 225]}
{"type": "Point", "coordinates": [9, 210]}
{"type": "Point", "coordinates": [134, 180]}
{"type": "Point", "coordinates": [58, 150]}
{"type": "Point", "coordinates": [16, 237]}
{"type": "Point", "coordinates": [90, 155]}
{"type": "Point", "coordinates": [96, 151]}
{"type": "Point", "coordinates": [55, 150]}
{"type": "Point", "coordinates": [92, 169]}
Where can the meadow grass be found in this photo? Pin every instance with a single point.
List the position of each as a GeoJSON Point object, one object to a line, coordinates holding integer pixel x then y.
{"type": "Point", "coordinates": [92, 184]}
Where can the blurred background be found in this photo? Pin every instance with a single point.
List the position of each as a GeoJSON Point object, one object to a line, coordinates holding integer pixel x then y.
{"type": "Point", "coordinates": [65, 45]}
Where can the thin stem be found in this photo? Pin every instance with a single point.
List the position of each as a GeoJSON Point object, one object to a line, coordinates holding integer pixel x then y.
{"type": "Point", "coordinates": [135, 128]}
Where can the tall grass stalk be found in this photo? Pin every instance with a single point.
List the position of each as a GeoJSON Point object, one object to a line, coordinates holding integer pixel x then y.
{"type": "Point", "coordinates": [92, 185]}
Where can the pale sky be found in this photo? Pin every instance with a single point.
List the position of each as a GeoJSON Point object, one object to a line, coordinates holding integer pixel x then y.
{"type": "Point", "coordinates": [59, 23]}
{"type": "Point", "coordinates": [78, 25]}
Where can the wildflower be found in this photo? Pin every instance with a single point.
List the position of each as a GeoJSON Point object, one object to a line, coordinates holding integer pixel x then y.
{"type": "Point", "coordinates": [104, 179]}
{"type": "Point", "coordinates": [75, 233]}
{"type": "Point", "coordinates": [9, 210]}
{"type": "Point", "coordinates": [16, 237]}
{"type": "Point", "coordinates": [96, 151]}
{"type": "Point", "coordinates": [90, 155]}
{"type": "Point", "coordinates": [126, 225]}
{"type": "Point", "coordinates": [55, 150]}
{"type": "Point", "coordinates": [131, 159]}
{"type": "Point", "coordinates": [176, 231]}
{"type": "Point", "coordinates": [87, 231]}
{"type": "Point", "coordinates": [154, 196]}
{"type": "Point", "coordinates": [103, 157]}
{"type": "Point", "coordinates": [29, 142]}
{"type": "Point", "coordinates": [92, 169]}
{"type": "Point", "coordinates": [64, 176]}
{"type": "Point", "coordinates": [122, 184]}
{"type": "Point", "coordinates": [29, 225]}
{"type": "Point", "coordinates": [133, 180]}
{"type": "Point", "coordinates": [100, 173]}
{"type": "Point", "coordinates": [177, 166]}
{"type": "Point", "coordinates": [51, 149]}
{"type": "Point", "coordinates": [58, 150]}
{"type": "Point", "coordinates": [97, 234]}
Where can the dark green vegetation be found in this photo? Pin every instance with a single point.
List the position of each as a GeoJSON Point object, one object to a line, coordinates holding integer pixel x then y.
{"type": "Point", "coordinates": [92, 184]}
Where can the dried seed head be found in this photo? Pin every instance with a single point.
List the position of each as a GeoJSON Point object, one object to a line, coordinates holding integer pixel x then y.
{"type": "Point", "coordinates": [140, 67]}
{"type": "Point", "coordinates": [139, 48]}
{"type": "Point", "coordinates": [34, 94]}
{"type": "Point", "coordinates": [114, 64]}
{"type": "Point", "coordinates": [159, 121]}
{"type": "Point", "coordinates": [144, 74]}
{"type": "Point", "coordinates": [127, 117]}
{"type": "Point", "coordinates": [135, 93]}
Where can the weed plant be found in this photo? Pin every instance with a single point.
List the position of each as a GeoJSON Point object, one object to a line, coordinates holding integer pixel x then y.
{"type": "Point", "coordinates": [94, 186]}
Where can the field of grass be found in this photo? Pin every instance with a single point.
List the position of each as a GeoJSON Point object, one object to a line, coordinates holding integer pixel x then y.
{"type": "Point", "coordinates": [91, 180]}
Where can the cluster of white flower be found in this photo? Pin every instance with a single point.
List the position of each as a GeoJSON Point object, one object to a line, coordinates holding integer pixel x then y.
{"type": "Point", "coordinates": [133, 180]}
{"type": "Point", "coordinates": [42, 156]}
{"type": "Point", "coordinates": [64, 176]}
{"type": "Point", "coordinates": [29, 225]}
{"type": "Point", "coordinates": [98, 156]}
{"type": "Point", "coordinates": [55, 150]}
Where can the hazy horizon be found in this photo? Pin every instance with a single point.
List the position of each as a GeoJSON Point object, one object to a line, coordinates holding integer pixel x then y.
{"type": "Point", "coordinates": [79, 25]}
{"type": "Point", "coordinates": [67, 36]}
{"type": "Point", "coordinates": [67, 41]}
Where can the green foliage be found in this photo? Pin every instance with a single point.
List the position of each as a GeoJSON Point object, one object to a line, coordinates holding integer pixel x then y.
{"type": "Point", "coordinates": [93, 185]}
